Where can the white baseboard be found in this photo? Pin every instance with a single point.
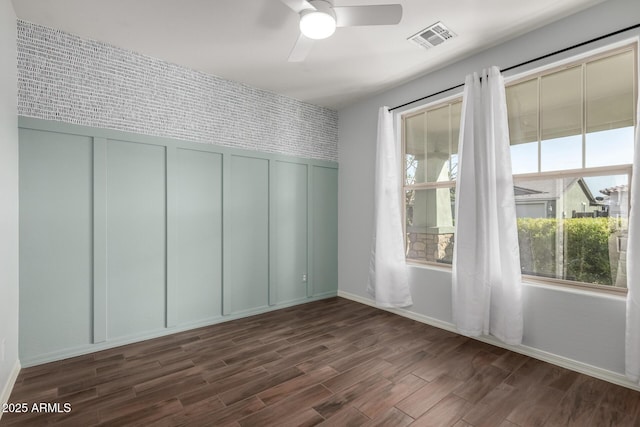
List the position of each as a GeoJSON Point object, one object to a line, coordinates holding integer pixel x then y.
{"type": "Point", "coordinates": [8, 387]}
{"type": "Point", "coordinates": [564, 362]}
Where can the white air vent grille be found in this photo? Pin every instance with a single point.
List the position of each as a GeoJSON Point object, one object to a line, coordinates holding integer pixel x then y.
{"type": "Point", "coordinates": [432, 36]}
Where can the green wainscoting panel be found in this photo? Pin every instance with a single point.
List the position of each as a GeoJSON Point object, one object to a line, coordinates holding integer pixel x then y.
{"type": "Point", "coordinates": [246, 243]}
{"type": "Point", "coordinates": [324, 230]}
{"type": "Point", "coordinates": [289, 232]}
{"type": "Point", "coordinates": [99, 240]}
{"type": "Point", "coordinates": [125, 237]}
{"type": "Point", "coordinates": [196, 294]}
{"type": "Point", "coordinates": [136, 225]}
{"type": "Point", "coordinates": [55, 241]}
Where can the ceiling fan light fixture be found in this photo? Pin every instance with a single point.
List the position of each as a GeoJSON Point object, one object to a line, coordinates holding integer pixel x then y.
{"type": "Point", "coordinates": [318, 24]}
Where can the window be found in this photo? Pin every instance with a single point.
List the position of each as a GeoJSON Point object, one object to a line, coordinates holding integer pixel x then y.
{"type": "Point", "coordinates": [430, 155]}
{"type": "Point", "coordinates": [572, 134]}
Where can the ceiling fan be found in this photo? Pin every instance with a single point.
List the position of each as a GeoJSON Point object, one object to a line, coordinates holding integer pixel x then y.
{"type": "Point", "coordinates": [319, 19]}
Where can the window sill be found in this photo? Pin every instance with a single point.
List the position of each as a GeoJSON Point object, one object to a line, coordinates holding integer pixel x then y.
{"type": "Point", "coordinates": [556, 285]}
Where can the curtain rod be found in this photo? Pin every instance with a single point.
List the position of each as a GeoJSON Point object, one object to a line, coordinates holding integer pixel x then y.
{"type": "Point", "coordinates": [524, 63]}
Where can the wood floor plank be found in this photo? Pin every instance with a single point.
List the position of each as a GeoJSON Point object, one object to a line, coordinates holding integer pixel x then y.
{"type": "Point", "coordinates": [328, 358]}
{"type": "Point", "coordinates": [494, 408]}
{"type": "Point", "coordinates": [224, 416]}
{"type": "Point", "coordinates": [295, 358]}
{"type": "Point", "coordinates": [392, 417]}
{"type": "Point", "coordinates": [606, 416]}
{"type": "Point", "coordinates": [349, 417]}
{"type": "Point", "coordinates": [220, 386]}
{"type": "Point", "coordinates": [256, 386]}
{"type": "Point", "coordinates": [578, 406]}
{"type": "Point", "coordinates": [333, 363]}
{"type": "Point", "coordinates": [281, 391]}
{"type": "Point", "coordinates": [356, 374]}
{"type": "Point", "coordinates": [144, 415]}
{"type": "Point", "coordinates": [536, 406]}
{"type": "Point", "coordinates": [481, 383]}
{"type": "Point", "coordinates": [446, 412]}
{"type": "Point", "coordinates": [411, 361]}
{"type": "Point", "coordinates": [275, 414]}
{"type": "Point", "coordinates": [354, 396]}
{"type": "Point", "coordinates": [389, 395]}
{"type": "Point", "coordinates": [202, 407]}
{"type": "Point", "coordinates": [426, 397]}
{"type": "Point", "coordinates": [224, 371]}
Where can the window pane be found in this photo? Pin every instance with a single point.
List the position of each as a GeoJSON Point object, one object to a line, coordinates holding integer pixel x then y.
{"type": "Point", "coordinates": [574, 228]}
{"type": "Point", "coordinates": [438, 135]}
{"type": "Point", "coordinates": [609, 147]}
{"type": "Point", "coordinates": [561, 153]}
{"type": "Point", "coordinates": [561, 104]}
{"type": "Point", "coordinates": [414, 140]}
{"type": "Point", "coordinates": [522, 107]}
{"type": "Point", "coordinates": [431, 144]}
{"type": "Point", "coordinates": [609, 92]}
{"type": "Point", "coordinates": [524, 158]}
{"type": "Point", "coordinates": [430, 224]}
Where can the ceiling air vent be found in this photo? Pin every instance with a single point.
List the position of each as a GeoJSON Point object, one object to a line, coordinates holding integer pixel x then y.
{"type": "Point", "coordinates": [432, 36]}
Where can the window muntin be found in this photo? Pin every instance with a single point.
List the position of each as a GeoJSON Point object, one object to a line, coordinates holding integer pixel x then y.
{"type": "Point", "coordinates": [570, 128]}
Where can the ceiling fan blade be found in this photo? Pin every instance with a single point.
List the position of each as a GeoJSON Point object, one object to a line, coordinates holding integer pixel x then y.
{"type": "Point", "coordinates": [384, 14]}
{"type": "Point", "coordinates": [301, 49]}
{"type": "Point", "coordinates": [298, 5]}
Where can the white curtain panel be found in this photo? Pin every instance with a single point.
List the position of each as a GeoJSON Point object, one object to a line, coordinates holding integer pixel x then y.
{"type": "Point", "coordinates": [632, 341]}
{"type": "Point", "coordinates": [487, 283]}
{"type": "Point", "coordinates": [388, 281]}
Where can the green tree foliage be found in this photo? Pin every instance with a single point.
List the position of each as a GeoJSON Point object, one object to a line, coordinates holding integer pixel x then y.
{"type": "Point", "coordinates": [583, 252]}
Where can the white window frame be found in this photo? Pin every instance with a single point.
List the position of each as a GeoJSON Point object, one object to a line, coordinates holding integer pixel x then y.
{"type": "Point", "coordinates": [623, 169]}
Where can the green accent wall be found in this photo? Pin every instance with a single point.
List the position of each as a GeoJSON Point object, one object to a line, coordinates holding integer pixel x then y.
{"type": "Point", "coordinates": [196, 250]}
{"type": "Point", "coordinates": [55, 172]}
{"type": "Point", "coordinates": [323, 227]}
{"type": "Point", "coordinates": [247, 241]}
{"type": "Point", "coordinates": [125, 237]}
{"type": "Point", "coordinates": [289, 232]}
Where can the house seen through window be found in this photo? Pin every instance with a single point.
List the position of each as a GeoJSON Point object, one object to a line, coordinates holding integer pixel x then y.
{"type": "Point", "coordinates": [572, 135]}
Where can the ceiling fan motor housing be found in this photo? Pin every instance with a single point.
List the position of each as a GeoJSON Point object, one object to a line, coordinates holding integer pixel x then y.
{"type": "Point", "coordinates": [320, 22]}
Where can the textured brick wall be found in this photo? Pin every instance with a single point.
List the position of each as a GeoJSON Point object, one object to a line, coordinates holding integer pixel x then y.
{"type": "Point", "coordinates": [66, 78]}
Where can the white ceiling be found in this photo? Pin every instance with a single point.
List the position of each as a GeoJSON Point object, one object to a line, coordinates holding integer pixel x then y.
{"type": "Point", "coordinates": [249, 40]}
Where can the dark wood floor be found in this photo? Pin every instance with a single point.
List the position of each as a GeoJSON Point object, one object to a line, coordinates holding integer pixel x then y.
{"type": "Point", "coordinates": [332, 363]}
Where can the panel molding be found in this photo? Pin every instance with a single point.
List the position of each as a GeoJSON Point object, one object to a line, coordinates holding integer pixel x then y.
{"type": "Point", "coordinates": [56, 241]}
{"type": "Point", "coordinates": [234, 301]}
{"type": "Point", "coordinates": [289, 231]}
{"type": "Point", "coordinates": [247, 252]}
{"type": "Point", "coordinates": [195, 236]}
{"type": "Point", "coordinates": [136, 238]}
{"type": "Point", "coordinates": [227, 276]}
{"type": "Point", "coordinates": [273, 236]}
{"type": "Point", "coordinates": [310, 231]}
{"type": "Point", "coordinates": [112, 134]}
{"type": "Point", "coordinates": [99, 240]}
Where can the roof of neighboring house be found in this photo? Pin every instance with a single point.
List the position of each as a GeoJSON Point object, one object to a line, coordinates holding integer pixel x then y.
{"type": "Point", "coordinates": [549, 189]}
{"type": "Point", "coordinates": [617, 189]}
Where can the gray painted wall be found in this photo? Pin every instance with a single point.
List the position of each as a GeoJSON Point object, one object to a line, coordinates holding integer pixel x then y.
{"type": "Point", "coordinates": [66, 78]}
{"type": "Point", "coordinates": [580, 326]}
{"type": "Point", "coordinates": [125, 237]}
{"type": "Point", "coordinates": [8, 200]}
